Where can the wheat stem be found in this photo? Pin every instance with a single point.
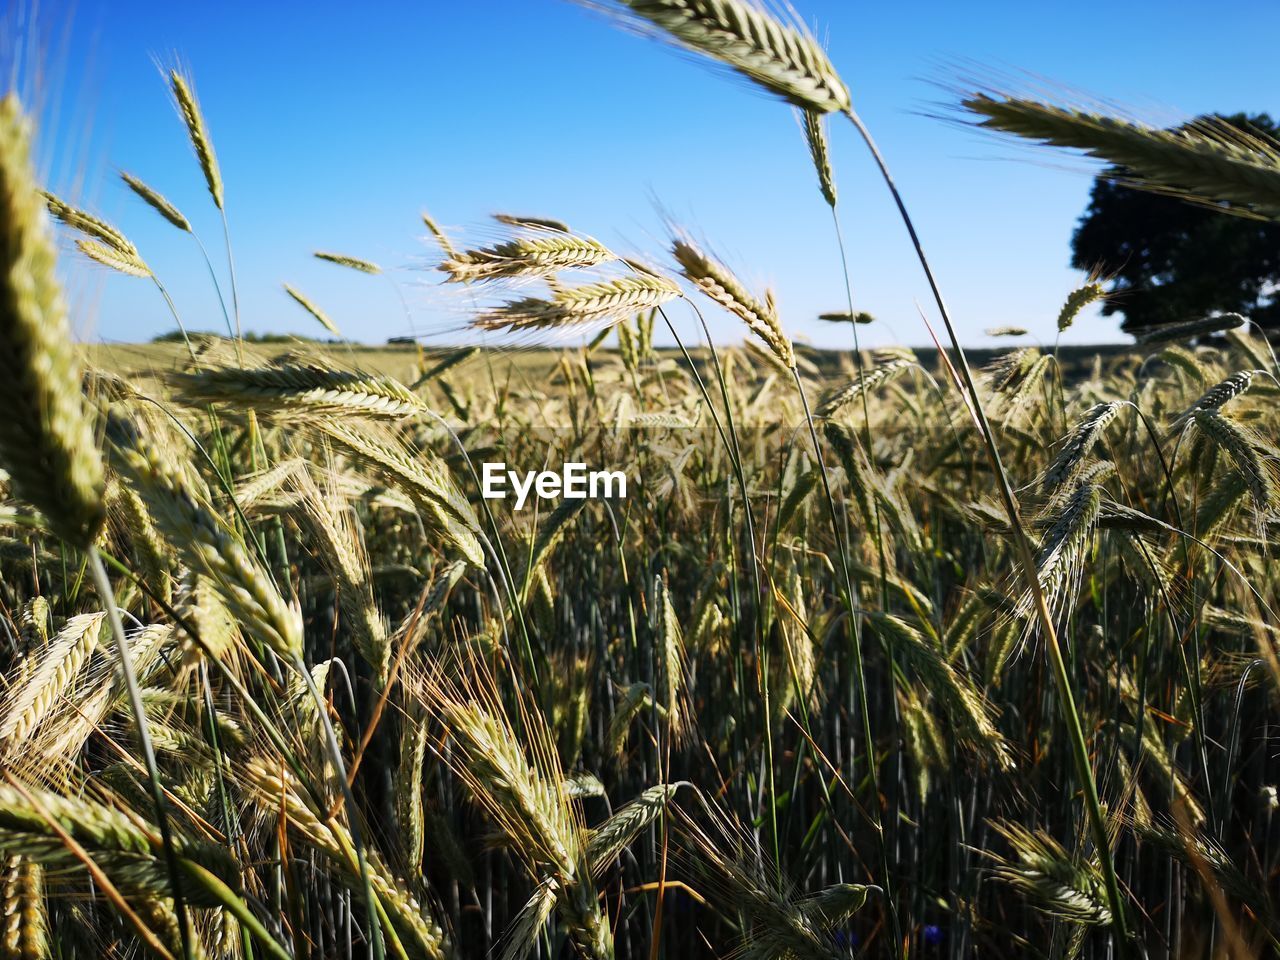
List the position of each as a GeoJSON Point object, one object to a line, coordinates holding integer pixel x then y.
{"type": "Point", "coordinates": [1026, 558]}
{"type": "Point", "coordinates": [125, 659]}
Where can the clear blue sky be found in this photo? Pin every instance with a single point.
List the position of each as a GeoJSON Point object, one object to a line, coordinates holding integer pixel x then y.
{"type": "Point", "coordinates": [336, 123]}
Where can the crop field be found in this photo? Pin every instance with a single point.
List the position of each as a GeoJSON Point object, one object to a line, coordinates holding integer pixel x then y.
{"type": "Point", "coordinates": [884, 653]}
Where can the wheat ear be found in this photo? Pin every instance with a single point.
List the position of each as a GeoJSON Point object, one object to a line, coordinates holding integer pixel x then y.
{"type": "Point", "coordinates": [198, 133]}
{"type": "Point", "coordinates": [319, 315]}
{"type": "Point", "coordinates": [87, 223]}
{"type": "Point", "coordinates": [588, 306]}
{"type": "Point", "coordinates": [532, 223]}
{"type": "Point", "coordinates": [23, 925]}
{"type": "Point", "coordinates": [1082, 440]}
{"type": "Point", "coordinates": [131, 265]}
{"type": "Point", "coordinates": [351, 263]}
{"type": "Point", "coordinates": [716, 281]}
{"type": "Point", "coordinates": [442, 238]}
{"type": "Point", "coordinates": [1241, 445]}
{"type": "Point", "coordinates": [205, 543]}
{"type": "Point", "coordinates": [783, 58]}
{"type": "Point", "coordinates": [1076, 301]}
{"type": "Point", "coordinates": [301, 386]}
{"type": "Point", "coordinates": [1043, 870]}
{"type": "Point", "coordinates": [55, 675]}
{"type": "Point", "coordinates": [1205, 161]}
{"type": "Point", "coordinates": [1189, 329]}
{"type": "Point", "coordinates": [423, 477]}
{"type": "Point", "coordinates": [46, 438]}
{"type": "Point", "coordinates": [157, 202]}
{"type": "Point", "coordinates": [815, 135]}
{"type": "Point", "coordinates": [870, 379]}
{"type": "Point", "coordinates": [539, 256]}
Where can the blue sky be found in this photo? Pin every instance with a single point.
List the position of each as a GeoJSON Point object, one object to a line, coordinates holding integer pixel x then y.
{"type": "Point", "coordinates": [336, 123]}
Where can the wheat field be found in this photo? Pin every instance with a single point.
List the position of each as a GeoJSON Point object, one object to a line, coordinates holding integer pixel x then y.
{"type": "Point", "coordinates": [884, 653]}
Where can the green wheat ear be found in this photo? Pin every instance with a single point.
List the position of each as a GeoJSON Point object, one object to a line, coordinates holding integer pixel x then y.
{"type": "Point", "coordinates": [46, 438]}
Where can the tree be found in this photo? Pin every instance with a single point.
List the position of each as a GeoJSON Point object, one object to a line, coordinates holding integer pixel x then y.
{"type": "Point", "coordinates": [1171, 260]}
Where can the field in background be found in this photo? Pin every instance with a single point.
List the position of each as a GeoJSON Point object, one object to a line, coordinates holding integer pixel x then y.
{"type": "Point", "coordinates": [530, 365]}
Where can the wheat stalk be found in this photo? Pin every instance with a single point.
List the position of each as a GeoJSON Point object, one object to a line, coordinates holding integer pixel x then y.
{"type": "Point", "coordinates": [46, 439]}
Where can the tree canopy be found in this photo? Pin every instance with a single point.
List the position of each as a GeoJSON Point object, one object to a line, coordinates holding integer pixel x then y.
{"type": "Point", "coordinates": [1170, 260]}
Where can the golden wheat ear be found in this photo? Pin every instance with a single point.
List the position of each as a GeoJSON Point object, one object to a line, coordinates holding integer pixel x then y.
{"type": "Point", "coordinates": [526, 257]}
{"type": "Point", "coordinates": [590, 306]}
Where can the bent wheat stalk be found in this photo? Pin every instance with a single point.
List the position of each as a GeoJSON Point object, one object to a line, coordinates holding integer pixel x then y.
{"type": "Point", "coordinates": [1026, 560]}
